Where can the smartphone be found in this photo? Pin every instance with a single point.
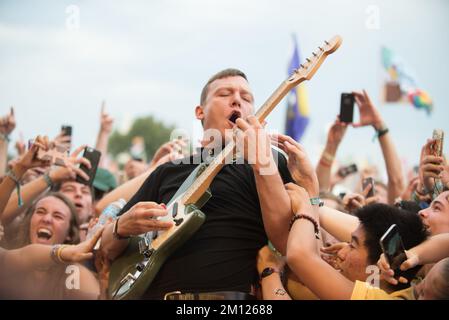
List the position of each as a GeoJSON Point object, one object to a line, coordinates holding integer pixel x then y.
{"type": "Point", "coordinates": [438, 136]}
{"type": "Point", "coordinates": [346, 171]}
{"type": "Point", "coordinates": [347, 107]}
{"type": "Point", "coordinates": [393, 248]}
{"type": "Point", "coordinates": [66, 130]}
{"type": "Point", "coordinates": [93, 156]}
{"type": "Point", "coordinates": [365, 183]}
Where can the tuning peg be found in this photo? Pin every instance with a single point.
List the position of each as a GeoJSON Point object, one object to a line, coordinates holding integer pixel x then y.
{"type": "Point", "coordinates": [302, 66]}
{"type": "Point", "coordinates": [296, 71]}
{"type": "Point", "coordinates": [326, 42]}
{"type": "Point", "coordinates": [314, 54]}
{"type": "Point", "coordinates": [308, 60]}
{"type": "Point", "coordinates": [321, 48]}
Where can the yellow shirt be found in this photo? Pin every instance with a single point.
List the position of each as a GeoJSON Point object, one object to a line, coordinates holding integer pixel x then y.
{"type": "Point", "coordinates": [364, 291]}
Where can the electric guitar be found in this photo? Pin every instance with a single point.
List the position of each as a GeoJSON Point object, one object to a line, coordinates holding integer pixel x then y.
{"type": "Point", "coordinates": [132, 273]}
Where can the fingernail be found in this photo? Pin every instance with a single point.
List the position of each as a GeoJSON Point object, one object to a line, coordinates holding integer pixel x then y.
{"type": "Point", "coordinates": [163, 206]}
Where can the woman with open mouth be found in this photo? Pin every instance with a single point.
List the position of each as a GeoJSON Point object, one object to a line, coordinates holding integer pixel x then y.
{"type": "Point", "coordinates": [51, 220]}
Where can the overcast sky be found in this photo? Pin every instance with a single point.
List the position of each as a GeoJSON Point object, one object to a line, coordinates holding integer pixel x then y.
{"type": "Point", "coordinates": [153, 57]}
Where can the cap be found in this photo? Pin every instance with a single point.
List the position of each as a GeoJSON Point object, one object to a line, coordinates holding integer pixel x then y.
{"type": "Point", "coordinates": [104, 180]}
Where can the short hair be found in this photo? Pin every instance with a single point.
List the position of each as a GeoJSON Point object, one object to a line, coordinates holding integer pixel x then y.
{"type": "Point", "coordinates": [57, 188]}
{"type": "Point", "coordinates": [230, 72]}
{"type": "Point", "coordinates": [377, 218]}
{"type": "Point", "coordinates": [410, 206]}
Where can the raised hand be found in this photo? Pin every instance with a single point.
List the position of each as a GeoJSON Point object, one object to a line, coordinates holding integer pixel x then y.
{"type": "Point", "coordinates": [8, 123]}
{"type": "Point", "coordinates": [298, 163]}
{"type": "Point", "coordinates": [106, 121]}
{"type": "Point", "coordinates": [369, 115]}
{"type": "Point", "coordinates": [336, 132]}
{"type": "Point", "coordinates": [169, 151]}
{"type": "Point", "coordinates": [71, 169]}
{"type": "Point", "coordinates": [82, 251]}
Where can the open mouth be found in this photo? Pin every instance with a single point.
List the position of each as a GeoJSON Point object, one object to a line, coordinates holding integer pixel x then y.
{"type": "Point", "coordinates": [44, 234]}
{"type": "Point", "coordinates": [78, 205]}
{"type": "Point", "coordinates": [234, 116]}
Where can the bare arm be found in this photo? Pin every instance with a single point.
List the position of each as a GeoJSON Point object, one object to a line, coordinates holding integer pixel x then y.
{"type": "Point", "coordinates": [275, 206]}
{"type": "Point", "coordinates": [272, 287]}
{"type": "Point", "coordinates": [302, 257]}
{"type": "Point", "coordinates": [125, 191]}
{"type": "Point", "coordinates": [7, 125]}
{"type": "Point", "coordinates": [32, 190]}
{"type": "Point", "coordinates": [323, 169]}
{"type": "Point", "coordinates": [369, 115]}
{"type": "Point", "coordinates": [106, 123]}
{"type": "Point", "coordinates": [38, 256]}
{"type": "Point", "coordinates": [3, 155]}
{"type": "Point", "coordinates": [432, 250]}
{"type": "Point", "coordinates": [337, 223]}
{"type": "Point", "coordinates": [394, 167]}
{"type": "Point", "coordinates": [274, 200]}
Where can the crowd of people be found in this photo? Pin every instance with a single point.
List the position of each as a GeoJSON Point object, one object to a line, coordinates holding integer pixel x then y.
{"type": "Point", "coordinates": [287, 234]}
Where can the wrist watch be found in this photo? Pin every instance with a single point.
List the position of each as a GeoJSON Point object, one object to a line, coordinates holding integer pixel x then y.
{"type": "Point", "coordinates": [267, 271]}
{"type": "Point", "coordinates": [115, 233]}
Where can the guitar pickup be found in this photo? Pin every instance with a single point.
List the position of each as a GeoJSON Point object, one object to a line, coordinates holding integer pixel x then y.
{"type": "Point", "coordinates": [178, 221]}
{"type": "Point", "coordinates": [174, 211]}
{"type": "Point", "coordinates": [144, 248]}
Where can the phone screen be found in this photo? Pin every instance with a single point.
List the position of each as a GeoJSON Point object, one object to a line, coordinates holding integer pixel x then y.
{"type": "Point", "coordinates": [67, 130]}
{"type": "Point", "coordinates": [366, 182]}
{"type": "Point", "coordinates": [346, 171]}
{"type": "Point", "coordinates": [393, 248]}
{"type": "Point", "coordinates": [94, 157]}
{"type": "Point", "coordinates": [438, 136]}
{"type": "Point", "coordinates": [347, 107]}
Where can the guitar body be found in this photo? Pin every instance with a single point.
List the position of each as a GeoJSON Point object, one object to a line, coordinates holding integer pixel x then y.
{"type": "Point", "coordinates": [132, 273]}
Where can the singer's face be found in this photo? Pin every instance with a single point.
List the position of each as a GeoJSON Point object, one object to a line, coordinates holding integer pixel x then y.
{"type": "Point", "coordinates": [227, 99]}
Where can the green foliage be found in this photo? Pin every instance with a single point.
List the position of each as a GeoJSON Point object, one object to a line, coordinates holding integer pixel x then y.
{"type": "Point", "coordinates": [154, 132]}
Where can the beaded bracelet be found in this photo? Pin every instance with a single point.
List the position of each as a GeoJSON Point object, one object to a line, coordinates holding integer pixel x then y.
{"type": "Point", "coordinates": [304, 216]}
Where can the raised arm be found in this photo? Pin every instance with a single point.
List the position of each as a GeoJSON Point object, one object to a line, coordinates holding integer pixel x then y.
{"type": "Point", "coordinates": [302, 255]}
{"type": "Point", "coordinates": [274, 200]}
{"type": "Point", "coordinates": [324, 166]}
{"type": "Point", "coordinates": [106, 122]}
{"type": "Point", "coordinates": [32, 190]}
{"type": "Point", "coordinates": [369, 115]}
{"type": "Point", "coordinates": [167, 152]}
{"type": "Point", "coordinates": [7, 125]}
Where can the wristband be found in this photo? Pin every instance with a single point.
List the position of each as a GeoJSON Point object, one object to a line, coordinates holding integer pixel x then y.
{"type": "Point", "coordinates": [115, 233]}
{"type": "Point", "coordinates": [16, 180]}
{"type": "Point", "coordinates": [316, 201]}
{"type": "Point", "coordinates": [4, 137]}
{"type": "Point", "coordinates": [48, 180]}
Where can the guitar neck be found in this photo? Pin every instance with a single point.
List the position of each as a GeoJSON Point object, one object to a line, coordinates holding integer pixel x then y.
{"type": "Point", "coordinates": [274, 99]}
{"type": "Point", "coordinates": [199, 187]}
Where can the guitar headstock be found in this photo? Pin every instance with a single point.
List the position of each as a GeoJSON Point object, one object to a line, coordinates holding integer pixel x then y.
{"type": "Point", "coordinates": [312, 63]}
